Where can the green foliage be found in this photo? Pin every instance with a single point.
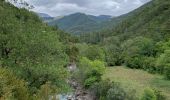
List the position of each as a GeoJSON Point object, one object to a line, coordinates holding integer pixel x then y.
{"type": "Point", "coordinates": [167, 71]}
{"type": "Point", "coordinates": [73, 53]}
{"type": "Point", "coordinates": [116, 93]}
{"type": "Point", "coordinates": [81, 23]}
{"type": "Point", "coordinates": [149, 64]}
{"type": "Point", "coordinates": [92, 52]}
{"type": "Point", "coordinates": [152, 94]}
{"type": "Point", "coordinates": [136, 50]}
{"type": "Point", "coordinates": [113, 51]}
{"type": "Point", "coordinates": [45, 91]}
{"type": "Point", "coordinates": [35, 52]}
{"type": "Point", "coordinates": [90, 71]}
{"type": "Point", "coordinates": [11, 87]}
{"type": "Point", "coordinates": [100, 89]}
{"type": "Point", "coordinates": [106, 90]}
{"type": "Point", "coordinates": [163, 64]}
{"type": "Point", "coordinates": [91, 80]}
{"type": "Point", "coordinates": [148, 95]}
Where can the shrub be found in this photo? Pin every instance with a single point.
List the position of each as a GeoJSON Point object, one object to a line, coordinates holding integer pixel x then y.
{"type": "Point", "coordinates": [89, 81]}
{"type": "Point", "coordinates": [167, 71]}
{"type": "Point", "coordinates": [134, 51]}
{"type": "Point", "coordinates": [149, 64]}
{"type": "Point", "coordinates": [106, 90]}
{"type": "Point", "coordinates": [113, 51]}
{"type": "Point", "coordinates": [163, 64]}
{"type": "Point", "coordinates": [134, 62]}
{"type": "Point", "coordinates": [100, 89]}
{"type": "Point", "coordinates": [90, 71]}
{"type": "Point", "coordinates": [159, 95]}
{"type": "Point", "coordinates": [148, 95]}
{"type": "Point", "coordinates": [116, 93]}
{"type": "Point", "coordinates": [12, 88]}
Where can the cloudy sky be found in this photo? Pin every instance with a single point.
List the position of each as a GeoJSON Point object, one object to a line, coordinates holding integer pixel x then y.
{"type": "Point", "coordinates": [93, 7]}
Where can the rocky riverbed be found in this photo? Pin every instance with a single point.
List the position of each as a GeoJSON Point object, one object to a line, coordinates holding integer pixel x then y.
{"type": "Point", "coordinates": [78, 93]}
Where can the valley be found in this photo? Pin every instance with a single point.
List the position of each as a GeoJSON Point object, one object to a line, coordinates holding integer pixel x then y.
{"type": "Point", "coordinates": [82, 56]}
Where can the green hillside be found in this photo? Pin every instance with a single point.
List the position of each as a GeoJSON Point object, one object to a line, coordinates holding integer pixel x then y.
{"type": "Point", "coordinates": [80, 23]}
{"type": "Point", "coordinates": [123, 58]}
{"type": "Point", "coordinates": [140, 41]}
{"type": "Point", "coordinates": [32, 57]}
{"type": "Point", "coordinates": [151, 20]}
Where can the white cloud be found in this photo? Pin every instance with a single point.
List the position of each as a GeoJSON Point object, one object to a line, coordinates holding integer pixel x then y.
{"type": "Point", "coordinates": [94, 7]}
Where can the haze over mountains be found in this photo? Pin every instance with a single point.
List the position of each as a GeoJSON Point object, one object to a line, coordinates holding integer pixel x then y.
{"type": "Point", "coordinates": [76, 23]}
{"type": "Point", "coordinates": [79, 23]}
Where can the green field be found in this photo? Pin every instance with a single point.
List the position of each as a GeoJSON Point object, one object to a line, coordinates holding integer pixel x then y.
{"type": "Point", "coordinates": [137, 79]}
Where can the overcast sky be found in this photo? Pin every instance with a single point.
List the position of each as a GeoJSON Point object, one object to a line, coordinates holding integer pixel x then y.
{"type": "Point", "coordinates": [93, 7]}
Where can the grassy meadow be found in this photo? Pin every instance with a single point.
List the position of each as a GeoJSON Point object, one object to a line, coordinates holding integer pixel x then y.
{"type": "Point", "coordinates": [137, 79]}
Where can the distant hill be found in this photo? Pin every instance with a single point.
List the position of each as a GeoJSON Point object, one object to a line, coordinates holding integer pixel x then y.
{"type": "Point", "coordinates": [151, 20]}
{"type": "Point", "coordinates": [80, 23]}
{"type": "Point", "coordinates": [45, 17]}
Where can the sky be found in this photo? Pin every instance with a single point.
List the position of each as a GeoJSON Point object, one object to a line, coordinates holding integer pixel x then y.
{"type": "Point", "coordinates": [92, 7]}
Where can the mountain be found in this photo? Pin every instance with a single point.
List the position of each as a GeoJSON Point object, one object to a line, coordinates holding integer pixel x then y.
{"type": "Point", "coordinates": [79, 23]}
{"type": "Point", "coordinates": [151, 20]}
{"type": "Point", "coordinates": [45, 17]}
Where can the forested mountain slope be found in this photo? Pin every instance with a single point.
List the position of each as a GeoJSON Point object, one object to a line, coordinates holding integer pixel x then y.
{"type": "Point", "coordinates": [32, 56]}
{"type": "Point", "coordinates": [80, 23]}
{"type": "Point", "coordinates": [151, 20]}
{"type": "Point", "coordinates": [141, 41]}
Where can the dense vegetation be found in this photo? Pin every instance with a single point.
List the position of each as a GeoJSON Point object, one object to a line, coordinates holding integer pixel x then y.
{"type": "Point", "coordinates": [32, 56]}
{"type": "Point", "coordinates": [140, 41]}
{"type": "Point", "coordinates": [80, 23]}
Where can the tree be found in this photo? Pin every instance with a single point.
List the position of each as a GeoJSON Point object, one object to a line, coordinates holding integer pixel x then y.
{"type": "Point", "coordinates": [163, 64]}
{"type": "Point", "coordinates": [12, 87]}
{"type": "Point", "coordinates": [113, 51]}
{"type": "Point", "coordinates": [149, 95]}
{"type": "Point", "coordinates": [134, 51]}
{"type": "Point", "coordinates": [90, 72]}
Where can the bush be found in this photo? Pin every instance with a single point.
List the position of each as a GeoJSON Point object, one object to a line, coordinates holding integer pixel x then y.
{"type": "Point", "coordinates": [148, 95]}
{"type": "Point", "coordinates": [12, 88]}
{"type": "Point", "coordinates": [100, 89]}
{"type": "Point", "coordinates": [90, 71]}
{"type": "Point", "coordinates": [89, 81]}
{"type": "Point", "coordinates": [159, 95]}
{"type": "Point", "coordinates": [113, 51]}
{"type": "Point", "coordinates": [92, 52]}
{"type": "Point", "coordinates": [134, 51]}
{"type": "Point", "coordinates": [149, 64]}
{"type": "Point", "coordinates": [163, 64]}
{"type": "Point", "coordinates": [152, 94]}
{"type": "Point", "coordinates": [116, 93]}
{"type": "Point", "coordinates": [106, 90]}
{"type": "Point", "coordinates": [167, 71]}
{"type": "Point", "coordinates": [134, 62]}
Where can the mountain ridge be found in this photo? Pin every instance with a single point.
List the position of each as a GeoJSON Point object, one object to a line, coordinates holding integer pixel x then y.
{"type": "Point", "coordinates": [77, 23]}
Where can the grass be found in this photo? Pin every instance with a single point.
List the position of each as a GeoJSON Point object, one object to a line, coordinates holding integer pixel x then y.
{"type": "Point", "coordinates": [137, 79]}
